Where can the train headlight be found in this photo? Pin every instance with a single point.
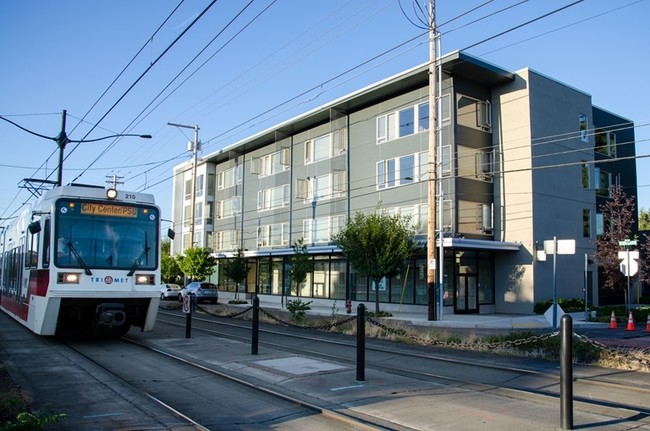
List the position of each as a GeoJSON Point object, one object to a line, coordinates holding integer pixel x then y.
{"type": "Point", "coordinates": [111, 193]}
{"type": "Point", "coordinates": [144, 279]}
{"type": "Point", "coordinates": [68, 277]}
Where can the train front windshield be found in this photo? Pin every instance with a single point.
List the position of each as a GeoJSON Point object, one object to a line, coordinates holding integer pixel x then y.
{"type": "Point", "coordinates": [99, 235]}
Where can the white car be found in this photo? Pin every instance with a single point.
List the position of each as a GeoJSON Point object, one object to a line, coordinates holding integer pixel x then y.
{"type": "Point", "coordinates": [169, 291]}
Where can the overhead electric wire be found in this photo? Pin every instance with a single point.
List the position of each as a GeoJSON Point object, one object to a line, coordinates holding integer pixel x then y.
{"type": "Point", "coordinates": [186, 67]}
{"type": "Point", "coordinates": [142, 75]}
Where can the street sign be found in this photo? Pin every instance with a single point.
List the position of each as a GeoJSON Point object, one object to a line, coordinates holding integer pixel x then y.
{"type": "Point", "coordinates": [627, 243]}
{"type": "Point", "coordinates": [187, 304]}
{"type": "Point", "coordinates": [629, 268]}
{"type": "Point", "coordinates": [564, 246]}
{"type": "Point", "coordinates": [632, 254]}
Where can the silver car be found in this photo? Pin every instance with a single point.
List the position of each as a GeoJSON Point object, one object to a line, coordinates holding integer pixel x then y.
{"type": "Point", "coordinates": [202, 291]}
{"type": "Point", "coordinates": [169, 291]}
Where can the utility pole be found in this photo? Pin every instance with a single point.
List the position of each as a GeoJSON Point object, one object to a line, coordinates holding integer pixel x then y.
{"type": "Point", "coordinates": [432, 182]}
{"type": "Point", "coordinates": [61, 140]}
{"type": "Point", "coordinates": [194, 149]}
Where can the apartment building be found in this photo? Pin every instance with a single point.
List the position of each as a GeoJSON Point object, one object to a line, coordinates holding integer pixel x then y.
{"type": "Point", "coordinates": [522, 160]}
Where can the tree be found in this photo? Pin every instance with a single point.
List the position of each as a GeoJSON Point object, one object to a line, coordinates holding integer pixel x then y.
{"type": "Point", "coordinates": [376, 245]}
{"type": "Point", "coordinates": [197, 263]}
{"type": "Point", "coordinates": [618, 220]}
{"type": "Point", "coordinates": [300, 264]}
{"type": "Point", "coordinates": [644, 219]}
{"type": "Point", "coordinates": [236, 269]}
{"type": "Point", "coordinates": [170, 272]}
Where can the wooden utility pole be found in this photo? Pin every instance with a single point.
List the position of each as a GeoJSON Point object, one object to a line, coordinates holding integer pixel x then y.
{"type": "Point", "coordinates": [432, 182]}
{"type": "Point", "coordinates": [194, 149]}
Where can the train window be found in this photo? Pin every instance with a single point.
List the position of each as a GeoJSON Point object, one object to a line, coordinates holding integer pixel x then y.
{"type": "Point", "coordinates": [31, 257]}
{"type": "Point", "coordinates": [46, 244]}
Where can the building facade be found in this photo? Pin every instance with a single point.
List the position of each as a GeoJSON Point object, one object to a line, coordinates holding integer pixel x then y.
{"type": "Point", "coordinates": [522, 160]}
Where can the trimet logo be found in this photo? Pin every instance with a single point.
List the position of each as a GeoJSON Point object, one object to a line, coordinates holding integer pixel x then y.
{"type": "Point", "coordinates": [108, 279]}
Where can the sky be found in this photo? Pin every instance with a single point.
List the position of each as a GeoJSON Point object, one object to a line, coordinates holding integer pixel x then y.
{"type": "Point", "coordinates": [237, 67]}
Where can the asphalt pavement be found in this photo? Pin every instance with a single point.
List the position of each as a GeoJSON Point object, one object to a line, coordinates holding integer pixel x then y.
{"type": "Point", "coordinates": [53, 381]}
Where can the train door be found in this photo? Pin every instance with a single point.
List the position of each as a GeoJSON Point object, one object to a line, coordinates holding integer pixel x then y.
{"type": "Point", "coordinates": [466, 294]}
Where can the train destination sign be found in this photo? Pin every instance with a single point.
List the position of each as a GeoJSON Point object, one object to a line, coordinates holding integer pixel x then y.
{"type": "Point", "coordinates": [108, 210]}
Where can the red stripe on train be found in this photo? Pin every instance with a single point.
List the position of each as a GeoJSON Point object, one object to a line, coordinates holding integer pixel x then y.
{"type": "Point", "coordinates": [39, 281]}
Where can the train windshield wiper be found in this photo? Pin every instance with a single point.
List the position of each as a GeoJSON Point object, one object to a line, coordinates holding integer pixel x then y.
{"type": "Point", "coordinates": [136, 263]}
{"type": "Point", "coordinates": [76, 254]}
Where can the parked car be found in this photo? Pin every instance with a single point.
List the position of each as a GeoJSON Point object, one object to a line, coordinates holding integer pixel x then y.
{"type": "Point", "coordinates": [169, 291]}
{"type": "Point", "coordinates": [202, 290]}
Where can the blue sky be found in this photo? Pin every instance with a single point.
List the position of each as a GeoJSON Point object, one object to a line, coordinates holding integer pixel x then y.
{"type": "Point", "coordinates": [268, 61]}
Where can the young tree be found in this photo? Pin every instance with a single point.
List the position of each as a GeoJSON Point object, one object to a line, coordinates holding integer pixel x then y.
{"type": "Point", "coordinates": [618, 219]}
{"type": "Point", "coordinates": [170, 272]}
{"type": "Point", "coordinates": [644, 219]}
{"type": "Point", "coordinates": [376, 245]}
{"type": "Point", "coordinates": [197, 263]}
{"type": "Point", "coordinates": [301, 264]}
{"type": "Point", "coordinates": [236, 269]}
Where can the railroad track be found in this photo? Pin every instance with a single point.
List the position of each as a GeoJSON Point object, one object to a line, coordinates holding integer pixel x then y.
{"type": "Point", "coordinates": [190, 386]}
{"type": "Point", "coordinates": [612, 393]}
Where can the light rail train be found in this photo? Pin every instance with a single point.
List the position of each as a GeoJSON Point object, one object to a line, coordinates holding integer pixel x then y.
{"type": "Point", "coordinates": [83, 260]}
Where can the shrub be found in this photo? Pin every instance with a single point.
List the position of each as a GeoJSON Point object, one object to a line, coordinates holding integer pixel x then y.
{"type": "Point", "coordinates": [298, 309]}
{"type": "Point", "coordinates": [568, 305]}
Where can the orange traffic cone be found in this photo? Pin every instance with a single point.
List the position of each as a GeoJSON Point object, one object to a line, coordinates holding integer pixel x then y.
{"type": "Point", "coordinates": [612, 321]}
{"type": "Point", "coordinates": [630, 323]}
{"type": "Point", "coordinates": [647, 325]}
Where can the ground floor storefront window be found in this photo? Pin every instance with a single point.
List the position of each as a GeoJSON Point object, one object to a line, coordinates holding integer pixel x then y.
{"type": "Point", "coordinates": [468, 280]}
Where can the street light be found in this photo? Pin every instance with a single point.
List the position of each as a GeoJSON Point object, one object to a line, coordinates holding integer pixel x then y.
{"type": "Point", "coordinates": [62, 140]}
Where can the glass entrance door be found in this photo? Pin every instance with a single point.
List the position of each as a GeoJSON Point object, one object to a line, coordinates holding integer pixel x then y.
{"type": "Point", "coordinates": [467, 294]}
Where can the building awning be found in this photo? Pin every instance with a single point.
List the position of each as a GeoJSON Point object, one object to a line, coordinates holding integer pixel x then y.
{"type": "Point", "coordinates": [472, 244]}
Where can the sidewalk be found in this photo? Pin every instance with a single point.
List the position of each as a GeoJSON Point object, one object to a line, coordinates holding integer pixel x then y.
{"type": "Point", "coordinates": [417, 315]}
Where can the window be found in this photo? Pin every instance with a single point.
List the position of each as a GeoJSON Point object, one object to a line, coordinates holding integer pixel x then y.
{"type": "Point", "coordinates": [445, 161]}
{"type": "Point", "coordinates": [582, 127]}
{"type": "Point", "coordinates": [230, 177]}
{"type": "Point", "coordinates": [229, 207]}
{"type": "Point", "coordinates": [326, 147]}
{"type": "Point", "coordinates": [417, 214]}
{"type": "Point", "coordinates": [474, 113]}
{"type": "Point", "coordinates": [407, 121]}
{"type": "Point", "coordinates": [447, 216]}
{"type": "Point", "coordinates": [273, 235]}
{"type": "Point", "coordinates": [322, 229]}
{"type": "Point", "coordinates": [226, 240]}
{"type": "Point", "coordinates": [211, 183]}
{"type": "Point", "coordinates": [188, 190]}
{"type": "Point", "coordinates": [209, 212]}
{"type": "Point", "coordinates": [600, 224]}
{"type": "Point", "coordinates": [276, 197]}
{"type": "Point", "coordinates": [483, 165]}
{"type": "Point", "coordinates": [484, 218]}
{"type": "Point", "coordinates": [271, 164]}
{"type": "Point", "coordinates": [199, 185]}
{"type": "Point", "coordinates": [198, 213]}
{"type": "Point", "coordinates": [445, 109]}
{"type": "Point", "coordinates": [606, 143]}
{"type": "Point", "coordinates": [322, 187]}
{"type": "Point", "coordinates": [423, 116]}
{"type": "Point", "coordinates": [586, 223]}
{"type": "Point", "coordinates": [187, 215]}
{"type": "Point", "coordinates": [402, 170]}
{"type": "Point", "coordinates": [586, 176]}
{"type": "Point", "coordinates": [404, 122]}
{"type": "Point", "coordinates": [603, 181]}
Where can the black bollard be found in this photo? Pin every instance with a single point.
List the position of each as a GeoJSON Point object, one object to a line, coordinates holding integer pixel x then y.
{"type": "Point", "coordinates": [256, 325]}
{"type": "Point", "coordinates": [188, 324]}
{"type": "Point", "coordinates": [566, 372]}
{"type": "Point", "coordinates": [188, 316]}
{"type": "Point", "coordinates": [361, 342]}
